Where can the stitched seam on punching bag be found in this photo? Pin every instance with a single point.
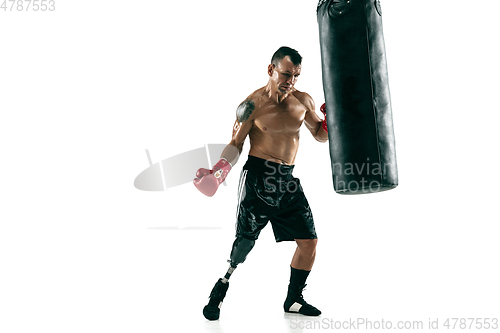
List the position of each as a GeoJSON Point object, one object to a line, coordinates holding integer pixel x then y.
{"type": "Point", "coordinates": [371, 86]}
{"type": "Point", "coordinates": [320, 3]}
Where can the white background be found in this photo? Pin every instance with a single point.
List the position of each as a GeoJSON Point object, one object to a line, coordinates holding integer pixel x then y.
{"type": "Point", "coordinates": [84, 90]}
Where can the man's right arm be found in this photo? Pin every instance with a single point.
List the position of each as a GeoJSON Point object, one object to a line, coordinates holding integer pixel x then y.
{"type": "Point", "coordinates": [241, 128]}
{"type": "Point", "coordinates": [207, 181]}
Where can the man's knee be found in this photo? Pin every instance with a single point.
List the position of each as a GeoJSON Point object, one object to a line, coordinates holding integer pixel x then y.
{"type": "Point", "coordinates": [307, 245]}
{"type": "Point", "coordinates": [241, 248]}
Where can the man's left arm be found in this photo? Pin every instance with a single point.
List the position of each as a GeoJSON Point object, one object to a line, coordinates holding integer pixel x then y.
{"type": "Point", "coordinates": [312, 121]}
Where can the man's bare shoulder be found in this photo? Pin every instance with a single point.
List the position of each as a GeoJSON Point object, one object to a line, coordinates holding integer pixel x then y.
{"type": "Point", "coordinates": [248, 107]}
{"type": "Point", "coordinates": [305, 99]}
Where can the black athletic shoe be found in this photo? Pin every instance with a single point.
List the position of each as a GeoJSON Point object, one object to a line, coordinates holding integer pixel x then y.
{"type": "Point", "coordinates": [295, 303]}
{"type": "Point", "coordinates": [211, 311]}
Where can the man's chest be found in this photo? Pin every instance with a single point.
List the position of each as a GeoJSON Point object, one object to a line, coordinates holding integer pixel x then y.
{"type": "Point", "coordinates": [280, 118]}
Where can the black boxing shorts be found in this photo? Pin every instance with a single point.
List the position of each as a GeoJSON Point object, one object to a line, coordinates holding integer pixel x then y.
{"type": "Point", "coordinates": [268, 192]}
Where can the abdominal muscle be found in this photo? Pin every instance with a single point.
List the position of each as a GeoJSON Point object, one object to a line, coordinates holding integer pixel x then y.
{"type": "Point", "coordinates": [279, 148]}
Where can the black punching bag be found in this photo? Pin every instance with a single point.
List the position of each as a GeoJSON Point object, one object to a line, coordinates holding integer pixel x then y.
{"type": "Point", "coordinates": [356, 88]}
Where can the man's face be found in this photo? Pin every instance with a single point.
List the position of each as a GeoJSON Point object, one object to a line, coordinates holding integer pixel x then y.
{"type": "Point", "coordinates": [284, 75]}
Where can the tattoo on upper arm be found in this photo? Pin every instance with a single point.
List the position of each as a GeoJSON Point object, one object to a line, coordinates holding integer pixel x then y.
{"type": "Point", "coordinates": [244, 110]}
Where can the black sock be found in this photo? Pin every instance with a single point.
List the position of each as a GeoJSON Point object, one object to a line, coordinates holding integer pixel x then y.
{"type": "Point", "coordinates": [298, 277]}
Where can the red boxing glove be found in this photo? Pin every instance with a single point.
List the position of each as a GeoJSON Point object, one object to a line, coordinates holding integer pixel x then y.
{"type": "Point", "coordinates": [208, 181]}
{"type": "Point", "coordinates": [323, 110]}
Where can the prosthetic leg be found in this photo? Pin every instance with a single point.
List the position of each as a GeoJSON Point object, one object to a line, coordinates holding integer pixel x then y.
{"type": "Point", "coordinates": [239, 252]}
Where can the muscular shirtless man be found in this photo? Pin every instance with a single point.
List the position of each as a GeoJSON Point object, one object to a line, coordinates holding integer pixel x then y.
{"type": "Point", "coordinates": [271, 116]}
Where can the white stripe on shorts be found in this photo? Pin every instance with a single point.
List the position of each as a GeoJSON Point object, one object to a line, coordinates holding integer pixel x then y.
{"type": "Point", "coordinates": [241, 188]}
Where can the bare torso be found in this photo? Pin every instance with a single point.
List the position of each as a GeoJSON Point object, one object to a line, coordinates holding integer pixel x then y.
{"type": "Point", "coordinates": [275, 132]}
{"type": "Point", "coordinates": [272, 116]}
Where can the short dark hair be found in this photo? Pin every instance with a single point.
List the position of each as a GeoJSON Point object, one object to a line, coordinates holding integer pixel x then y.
{"type": "Point", "coordinates": [284, 51]}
